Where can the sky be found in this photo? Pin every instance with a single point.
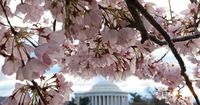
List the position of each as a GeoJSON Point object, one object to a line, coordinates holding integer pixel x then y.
{"type": "Point", "coordinates": [131, 84]}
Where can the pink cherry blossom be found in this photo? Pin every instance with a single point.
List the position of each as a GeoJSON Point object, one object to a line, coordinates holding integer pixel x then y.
{"type": "Point", "coordinates": [34, 2]}
{"type": "Point", "coordinates": [172, 29]}
{"type": "Point", "coordinates": [17, 95]}
{"type": "Point", "coordinates": [33, 12]}
{"type": "Point", "coordinates": [87, 38]}
{"type": "Point", "coordinates": [3, 30]}
{"type": "Point", "coordinates": [9, 101]}
{"type": "Point", "coordinates": [58, 36]}
{"type": "Point", "coordinates": [62, 84]}
{"type": "Point", "coordinates": [55, 9]}
{"type": "Point", "coordinates": [150, 7]}
{"type": "Point", "coordinates": [22, 8]}
{"type": "Point", "coordinates": [11, 65]}
{"type": "Point", "coordinates": [192, 8]}
{"type": "Point", "coordinates": [110, 36]}
{"type": "Point", "coordinates": [93, 18]}
{"type": "Point", "coordinates": [8, 11]}
{"type": "Point", "coordinates": [57, 99]}
{"type": "Point", "coordinates": [43, 52]}
{"type": "Point", "coordinates": [32, 70]}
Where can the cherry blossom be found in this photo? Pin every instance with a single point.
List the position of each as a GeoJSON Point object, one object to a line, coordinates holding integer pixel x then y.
{"type": "Point", "coordinates": [33, 69]}
{"type": "Point", "coordinates": [33, 13]}
{"type": "Point", "coordinates": [174, 97]}
{"type": "Point", "coordinates": [87, 38]}
{"type": "Point", "coordinates": [11, 65]}
{"type": "Point", "coordinates": [51, 92]}
{"type": "Point", "coordinates": [55, 8]}
{"type": "Point", "coordinates": [16, 98]}
{"type": "Point", "coordinates": [57, 99]}
{"type": "Point", "coordinates": [192, 8]}
{"type": "Point", "coordinates": [58, 36]}
{"type": "Point", "coordinates": [62, 85]}
{"type": "Point", "coordinates": [43, 52]}
{"type": "Point", "coordinates": [9, 101]}
{"type": "Point", "coordinates": [173, 29]}
{"type": "Point", "coordinates": [8, 11]}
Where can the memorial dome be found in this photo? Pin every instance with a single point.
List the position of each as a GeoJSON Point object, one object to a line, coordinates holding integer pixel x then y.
{"type": "Point", "coordinates": [104, 93]}
{"type": "Point", "coordinates": [105, 86]}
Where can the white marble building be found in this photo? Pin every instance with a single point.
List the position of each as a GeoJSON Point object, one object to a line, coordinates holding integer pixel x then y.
{"type": "Point", "coordinates": [104, 93]}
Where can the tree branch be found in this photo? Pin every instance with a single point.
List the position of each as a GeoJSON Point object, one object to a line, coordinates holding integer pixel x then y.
{"type": "Point", "coordinates": [38, 91]}
{"type": "Point", "coordinates": [162, 57]}
{"type": "Point", "coordinates": [177, 39]}
{"type": "Point", "coordinates": [193, 1]}
{"type": "Point", "coordinates": [54, 25]}
{"type": "Point", "coordinates": [4, 11]}
{"type": "Point", "coordinates": [137, 18]}
{"type": "Point", "coordinates": [169, 42]}
{"type": "Point", "coordinates": [170, 9]}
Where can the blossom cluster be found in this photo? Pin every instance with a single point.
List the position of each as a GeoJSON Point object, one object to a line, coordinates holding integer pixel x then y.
{"type": "Point", "coordinates": [173, 96]}
{"type": "Point", "coordinates": [51, 91]}
{"type": "Point", "coordinates": [96, 37]}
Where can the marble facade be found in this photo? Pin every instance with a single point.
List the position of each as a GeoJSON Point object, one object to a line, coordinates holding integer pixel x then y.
{"type": "Point", "coordinates": [105, 93]}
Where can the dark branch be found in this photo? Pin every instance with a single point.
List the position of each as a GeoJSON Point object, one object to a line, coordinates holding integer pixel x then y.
{"type": "Point", "coordinates": [169, 42]}
{"type": "Point", "coordinates": [185, 38]}
{"type": "Point", "coordinates": [4, 11]}
{"type": "Point", "coordinates": [177, 39]}
{"type": "Point", "coordinates": [139, 26]}
{"type": "Point", "coordinates": [161, 57]}
{"type": "Point", "coordinates": [170, 9]}
{"type": "Point", "coordinates": [4, 24]}
{"type": "Point", "coordinates": [193, 1]}
{"type": "Point", "coordinates": [54, 25]}
{"type": "Point", "coordinates": [38, 91]}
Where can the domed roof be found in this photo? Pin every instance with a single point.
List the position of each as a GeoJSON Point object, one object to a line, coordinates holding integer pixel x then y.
{"type": "Point", "coordinates": [105, 86]}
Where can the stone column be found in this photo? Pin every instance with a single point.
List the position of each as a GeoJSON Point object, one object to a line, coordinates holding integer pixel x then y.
{"type": "Point", "coordinates": [114, 99]}
{"type": "Point", "coordinates": [92, 100]}
{"type": "Point", "coordinates": [126, 100]}
{"type": "Point", "coordinates": [121, 100]}
{"type": "Point", "coordinates": [118, 100]}
{"type": "Point", "coordinates": [107, 99]}
{"type": "Point", "coordinates": [100, 99]}
{"type": "Point", "coordinates": [111, 99]}
{"type": "Point", "coordinates": [95, 100]}
{"type": "Point", "coordinates": [78, 100]}
{"type": "Point", "coordinates": [104, 102]}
